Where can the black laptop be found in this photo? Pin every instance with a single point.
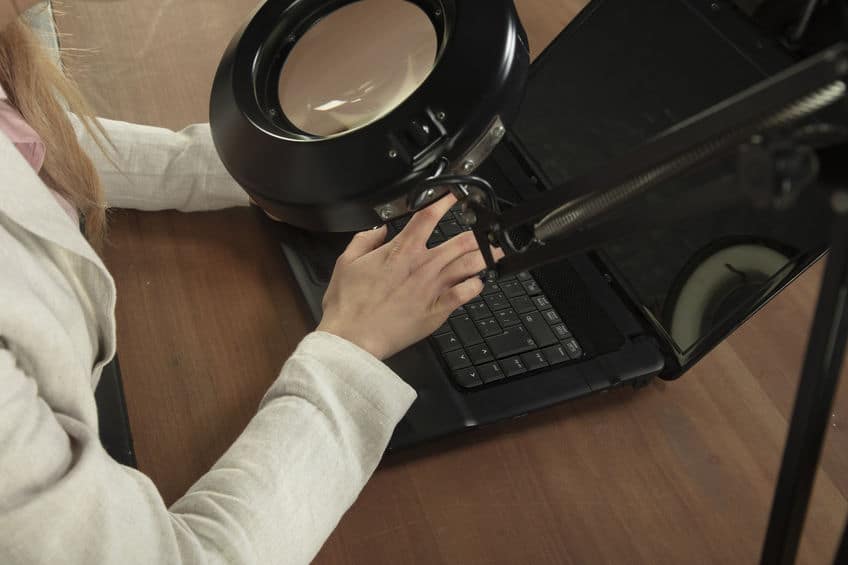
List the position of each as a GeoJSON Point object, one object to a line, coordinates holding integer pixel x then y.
{"type": "Point", "coordinates": [646, 306]}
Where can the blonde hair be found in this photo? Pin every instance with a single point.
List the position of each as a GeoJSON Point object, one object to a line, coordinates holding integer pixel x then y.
{"type": "Point", "coordinates": [44, 94]}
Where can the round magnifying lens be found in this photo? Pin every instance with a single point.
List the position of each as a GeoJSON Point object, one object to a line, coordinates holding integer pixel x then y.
{"type": "Point", "coordinates": [332, 114]}
{"type": "Point", "coordinates": [356, 65]}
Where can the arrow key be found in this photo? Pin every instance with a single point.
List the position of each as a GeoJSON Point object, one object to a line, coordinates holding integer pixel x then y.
{"type": "Point", "coordinates": [467, 378]}
{"type": "Point", "coordinates": [457, 360]}
{"type": "Point", "coordinates": [480, 354]}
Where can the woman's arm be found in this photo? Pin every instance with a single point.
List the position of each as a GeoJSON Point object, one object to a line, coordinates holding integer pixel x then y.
{"type": "Point", "coordinates": [273, 497]}
{"type": "Point", "coordinates": [283, 485]}
{"type": "Point", "coordinates": [151, 168]}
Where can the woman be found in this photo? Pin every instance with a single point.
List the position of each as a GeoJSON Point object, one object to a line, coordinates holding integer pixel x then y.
{"type": "Point", "coordinates": [321, 429]}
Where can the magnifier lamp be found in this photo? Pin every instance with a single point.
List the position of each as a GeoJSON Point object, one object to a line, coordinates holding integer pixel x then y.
{"type": "Point", "coordinates": [336, 115]}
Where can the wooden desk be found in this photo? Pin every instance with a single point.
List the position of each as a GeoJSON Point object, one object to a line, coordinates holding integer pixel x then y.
{"type": "Point", "coordinates": [675, 473]}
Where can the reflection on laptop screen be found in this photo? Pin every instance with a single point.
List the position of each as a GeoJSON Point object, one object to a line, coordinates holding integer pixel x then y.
{"type": "Point", "coordinates": [701, 275]}
{"type": "Point", "coordinates": [696, 278]}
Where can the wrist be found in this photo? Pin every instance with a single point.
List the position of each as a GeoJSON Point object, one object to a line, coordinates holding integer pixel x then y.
{"type": "Point", "coordinates": [360, 341]}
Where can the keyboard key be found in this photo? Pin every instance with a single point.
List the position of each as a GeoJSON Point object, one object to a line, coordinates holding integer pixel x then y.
{"type": "Point", "coordinates": [490, 372]}
{"type": "Point", "coordinates": [459, 312]}
{"type": "Point", "coordinates": [468, 378]}
{"type": "Point", "coordinates": [488, 327]}
{"type": "Point", "coordinates": [561, 332]}
{"type": "Point", "coordinates": [435, 239]}
{"type": "Point", "coordinates": [448, 342]}
{"type": "Point", "coordinates": [466, 330]}
{"type": "Point", "coordinates": [522, 304]}
{"type": "Point", "coordinates": [511, 342]}
{"type": "Point", "coordinates": [573, 348]}
{"type": "Point", "coordinates": [458, 217]}
{"type": "Point", "coordinates": [556, 355]}
{"type": "Point", "coordinates": [480, 354]}
{"type": "Point", "coordinates": [478, 311]}
{"type": "Point", "coordinates": [507, 318]}
{"type": "Point", "coordinates": [524, 276]}
{"type": "Point", "coordinates": [512, 289]}
{"type": "Point", "coordinates": [497, 302]}
{"type": "Point", "coordinates": [401, 223]}
{"type": "Point", "coordinates": [534, 360]}
{"type": "Point", "coordinates": [552, 317]}
{"type": "Point", "coordinates": [513, 366]}
{"type": "Point", "coordinates": [541, 302]}
{"type": "Point", "coordinates": [538, 328]}
{"type": "Point", "coordinates": [531, 287]}
{"type": "Point", "coordinates": [450, 229]}
{"type": "Point", "coordinates": [457, 360]}
{"type": "Point", "coordinates": [443, 329]}
{"type": "Point", "coordinates": [490, 288]}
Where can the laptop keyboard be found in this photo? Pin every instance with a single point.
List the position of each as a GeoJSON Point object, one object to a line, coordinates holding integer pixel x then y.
{"type": "Point", "coordinates": [510, 330]}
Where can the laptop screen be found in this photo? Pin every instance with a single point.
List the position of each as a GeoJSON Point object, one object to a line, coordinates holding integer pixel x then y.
{"type": "Point", "coordinates": [699, 277]}
{"type": "Point", "coordinates": [704, 273]}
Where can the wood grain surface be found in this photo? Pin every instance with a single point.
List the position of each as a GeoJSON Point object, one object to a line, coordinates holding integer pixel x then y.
{"type": "Point", "coordinates": [678, 472]}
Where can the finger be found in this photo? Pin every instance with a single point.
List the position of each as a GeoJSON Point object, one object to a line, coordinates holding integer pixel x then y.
{"type": "Point", "coordinates": [458, 295]}
{"type": "Point", "coordinates": [471, 264]}
{"type": "Point", "coordinates": [462, 268]}
{"type": "Point", "coordinates": [364, 243]}
{"type": "Point", "coordinates": [446, 253]}
{"type": "Point", "coordinates": [421, 226]}
{"type": "Point", "coordinates": [442, 255]}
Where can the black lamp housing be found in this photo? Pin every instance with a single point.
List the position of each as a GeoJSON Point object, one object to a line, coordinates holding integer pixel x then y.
{"type": "Point", "coordinates": [362, 178]}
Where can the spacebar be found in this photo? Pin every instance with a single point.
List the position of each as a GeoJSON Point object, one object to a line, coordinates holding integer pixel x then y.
{"type": "Point", "coordinates": [512, 341]}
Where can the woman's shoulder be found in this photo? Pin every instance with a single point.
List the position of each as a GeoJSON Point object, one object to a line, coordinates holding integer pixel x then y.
{"type": "Point", "coordinates": [44, 321]}
{"type": "Point", "coordinates": [56, 304]}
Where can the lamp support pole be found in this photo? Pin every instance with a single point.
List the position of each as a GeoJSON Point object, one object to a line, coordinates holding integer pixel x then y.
{"type": "Point", "coordinates": [813, 402]}
{"type": "Point", "coordinates": [842, 552]}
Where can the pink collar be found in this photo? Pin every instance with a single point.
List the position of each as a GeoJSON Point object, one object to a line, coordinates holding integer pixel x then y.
{"type": "Point", "coordinates": [30, 144]}
{"type": "Point", "coordinates": [27, 141]}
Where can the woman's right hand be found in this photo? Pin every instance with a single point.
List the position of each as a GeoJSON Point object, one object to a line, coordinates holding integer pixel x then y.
{"type": "Point", "coordinates": [384, 297]}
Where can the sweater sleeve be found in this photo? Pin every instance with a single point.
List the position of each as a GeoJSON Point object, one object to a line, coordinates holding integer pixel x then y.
{"type": "Point", "coordinates": [273, 497]}
{"type": "Point", "coordinates": [152, 168]}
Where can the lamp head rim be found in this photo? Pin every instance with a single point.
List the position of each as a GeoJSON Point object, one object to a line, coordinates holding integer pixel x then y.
{"type": "Point", "coordinates": [479, 73]}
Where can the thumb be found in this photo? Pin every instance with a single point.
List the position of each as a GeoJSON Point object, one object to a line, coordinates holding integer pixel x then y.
{"type": "Point", "coordinates": [365, 242]}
